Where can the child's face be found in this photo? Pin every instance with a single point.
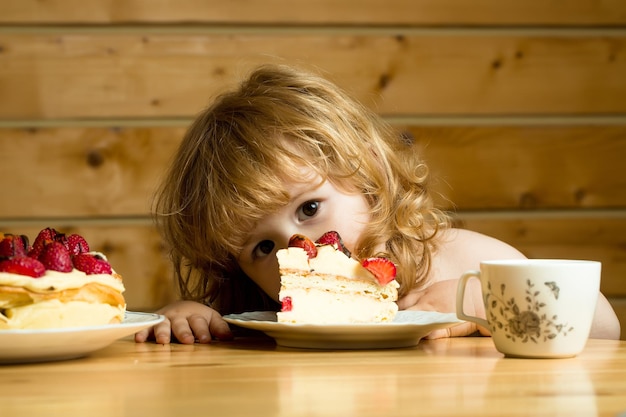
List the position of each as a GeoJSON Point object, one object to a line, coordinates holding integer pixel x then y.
{"type": "Point", "coordinates": [311, 212]}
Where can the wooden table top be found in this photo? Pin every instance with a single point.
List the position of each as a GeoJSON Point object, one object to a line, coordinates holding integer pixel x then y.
{"type": "Point", "coordinates": [253, 377]}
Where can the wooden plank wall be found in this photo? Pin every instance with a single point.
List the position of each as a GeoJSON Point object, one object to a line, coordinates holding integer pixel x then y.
{"type": "Point", "coordinates": [519, 105]}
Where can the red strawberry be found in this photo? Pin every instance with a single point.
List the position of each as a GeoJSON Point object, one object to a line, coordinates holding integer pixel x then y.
{"type": "Point", "coordinates": [35, 250]}
{"type": "Point", "coordinates": [383, 269]}
{"type": "Point", "coordinates": [301, 241]}
{"type": "Point", "coordinates": [91, 264]}
{"type": "Point", "coordinates": [76, 244]}
{"type": "Point", "coordinates": [46, 234]}
{"type": "Point", "coordinates": [286, 304]}
{"type": "Point", "coordinates": [23, 265]}
{"type": "Point", "coordinates": [332, 238]}
{"type": "Point", "coordinates": [44, 237]}
{"type": "Point", "coordinates": [62, 239]}
{"type": "Point", "coordinates": [56, 257]}
{"type": "Point", "coordinates": [13, 245]}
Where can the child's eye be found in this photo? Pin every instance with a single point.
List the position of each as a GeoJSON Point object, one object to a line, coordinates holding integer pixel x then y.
{"type": "Point", "coordinates": [309, 209]}
{"type": "Point", "coordinates": [264, 248]}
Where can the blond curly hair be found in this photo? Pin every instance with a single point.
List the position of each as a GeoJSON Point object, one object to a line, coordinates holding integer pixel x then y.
{"type": "Point", "coordinates": [231, 168]}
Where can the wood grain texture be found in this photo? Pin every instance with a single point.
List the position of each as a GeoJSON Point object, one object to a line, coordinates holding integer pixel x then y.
{"type": "Point", "coordinates": [526, 167]}
{"type": "Point", "coordinates": [251, 376]}
{"type": "Point", "coordinates": [345, 12]}
{"type": "Point", "coordinates": [104, 172]}
{"type": "Point", "coordinates": [112, 74]}
{"type": "Point", "coordinates": [83, 172]}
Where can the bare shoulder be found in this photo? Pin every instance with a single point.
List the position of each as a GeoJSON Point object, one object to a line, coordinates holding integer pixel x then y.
{"type": "Point", "coordinates": [461, 242]}
{"type": "Point", "coordinates": [460, 250]}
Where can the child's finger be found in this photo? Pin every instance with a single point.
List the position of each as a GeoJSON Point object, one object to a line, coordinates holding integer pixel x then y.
{"type": "Point", "coordinates": [220, 329]}
{"type": "Point", "coordinates": [200, 328]}
{"type": "Point", "coordinates": [179, 328]}
{"type": "Point", "coordinates": [143, 335]}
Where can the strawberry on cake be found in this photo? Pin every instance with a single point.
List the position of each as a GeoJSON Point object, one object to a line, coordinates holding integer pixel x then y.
{"type": "Point", "coordinates": [57, 282]}
{"type": "Point", "coordinates": [322, 284]}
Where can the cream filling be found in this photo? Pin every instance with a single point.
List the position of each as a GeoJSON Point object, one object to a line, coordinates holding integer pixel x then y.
{"type": "Point", "coordinates": [55, 314]}
{"type": "Point", "coordinates": [337, 284]}
{"type": "Point", "coordinates": [58, 281]}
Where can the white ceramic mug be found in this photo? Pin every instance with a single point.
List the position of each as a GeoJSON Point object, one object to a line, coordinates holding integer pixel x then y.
{"type": "Point", "coordinates": [536, 308]}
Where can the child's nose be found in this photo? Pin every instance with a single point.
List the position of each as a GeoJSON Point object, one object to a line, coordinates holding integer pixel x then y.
{"type": "Point", "coordinates": [311, 233]}
{"type": "Point", "coordinates": [282, 240]}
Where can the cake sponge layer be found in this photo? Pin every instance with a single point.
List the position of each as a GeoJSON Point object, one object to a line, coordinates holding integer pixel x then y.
{"type": "Point", "coordinates": [56, 314]}
{"type": "Point", "coordinates": [325, 299]}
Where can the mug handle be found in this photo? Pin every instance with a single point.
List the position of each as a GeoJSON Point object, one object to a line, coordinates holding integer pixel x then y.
{"type": "Point", "coordinates": [460, 296]}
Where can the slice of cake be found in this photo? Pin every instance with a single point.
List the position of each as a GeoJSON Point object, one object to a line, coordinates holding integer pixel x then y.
{"type": "Point", "coordinates": [322, 284]}
{"type": "Point", "coordinates": [55, 283]}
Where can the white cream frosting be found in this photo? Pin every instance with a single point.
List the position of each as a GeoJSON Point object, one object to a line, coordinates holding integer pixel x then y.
{"type": "Point", "coordinates": [57, 281]}
{"type": "Point", "coordinates": [328, 261]}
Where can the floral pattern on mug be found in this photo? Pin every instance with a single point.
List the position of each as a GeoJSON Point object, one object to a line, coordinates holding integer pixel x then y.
{"type": "Point", "coordinates": [530, 324]}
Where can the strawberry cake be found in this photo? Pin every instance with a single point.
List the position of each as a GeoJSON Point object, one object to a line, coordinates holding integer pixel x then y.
{"type": "Point", "coordinates": [56, 283]}
{"type": "Point", "coordinates": [322, 284]}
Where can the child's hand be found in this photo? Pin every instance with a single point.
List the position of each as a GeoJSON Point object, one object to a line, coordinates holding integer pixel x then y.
{"type": "Point", "coordinates": [441, 297]}
{"type": "Point", "coordinates": [188, 322]}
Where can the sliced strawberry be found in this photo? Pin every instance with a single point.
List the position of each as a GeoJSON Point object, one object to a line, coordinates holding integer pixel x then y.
{"type": "Point", "coordinates": [301, 241]}
{"type": "Point", "coordinates": [383, 269]}
{"type": "Point", "coordinates": [91, 264]}
{"type": "Point", "coordinates": [286, 304]}
{"type": "Point", "coordinates": [23, 265]}
{"type": "Point", "coordinates": [77, 244]}
{"type": "Point", "coordinates": [332, 238]}
{"type": "Point", "coordinates": [13, 245]}
{"type": "Point", "coordinates": [56, 257]}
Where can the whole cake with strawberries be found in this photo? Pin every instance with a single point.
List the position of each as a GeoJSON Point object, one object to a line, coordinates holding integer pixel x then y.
{"type": "Point", "coordinates": [322, 284]}
{"type": "Point", "coordinates": [56, 282]}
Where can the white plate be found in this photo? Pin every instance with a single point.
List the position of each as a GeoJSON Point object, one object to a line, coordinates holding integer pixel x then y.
{"type": "Point", "coordinates": [406, 330]}
{"type": "Point", "coordinates": [20, 346]}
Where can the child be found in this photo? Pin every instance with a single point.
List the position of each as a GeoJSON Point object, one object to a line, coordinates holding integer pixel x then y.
{"type": "Point", "coordinates": [288, 152]}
